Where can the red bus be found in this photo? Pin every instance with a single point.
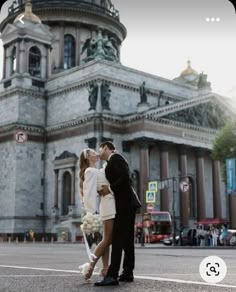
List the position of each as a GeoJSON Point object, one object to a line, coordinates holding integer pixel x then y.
{"type": "Point", "coordinates": [156, 225]}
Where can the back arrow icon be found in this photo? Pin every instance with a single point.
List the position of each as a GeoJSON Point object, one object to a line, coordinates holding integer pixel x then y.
{"type": "Point", "coordinates": [22, 16]}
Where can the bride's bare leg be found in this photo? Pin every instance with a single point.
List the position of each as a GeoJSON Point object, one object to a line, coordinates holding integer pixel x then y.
{"type": "Point", "coordinates": [105, 262]}
{"type": "Point", "coordinates": [102, 248]}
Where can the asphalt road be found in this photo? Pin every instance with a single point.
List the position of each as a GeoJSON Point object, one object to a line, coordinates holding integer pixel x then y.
{"type": "Point", "coordinates": [54, 267]}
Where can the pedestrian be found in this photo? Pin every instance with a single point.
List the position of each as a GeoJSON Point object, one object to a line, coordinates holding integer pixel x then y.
{"type": "Point", "coordinates": [209, 235]}
{"type": "Point", "coordinates": [202, 234]}
{"type": "Point", "coordinates": [118, 175]}
{"type": "Point", "coordinates": [223, 235]}
{"type": "Point", "coordinates": [198, 235]}
{"type": "Point", "coordinates": [214, 233]}
{"type": "Point", "coordinates": [139, 235]}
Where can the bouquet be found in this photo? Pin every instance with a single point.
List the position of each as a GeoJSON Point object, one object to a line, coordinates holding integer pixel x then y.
{"type": "Point", "coordinates": [91, 223]}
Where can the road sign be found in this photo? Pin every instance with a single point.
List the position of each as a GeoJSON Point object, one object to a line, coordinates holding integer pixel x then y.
{"type": "Point", "coordinates": [231, 175]}
{"type": "Point", "coordinates": [184, 186]}
{"type": "Point", "coordinates": [164, 184]}
{"type": "Point", "coordinates": [150, 207]}
{"type": "Point", "coordinates": [150, 196]}
{"type": "Point", "coordinates": [20, 136]}
{"type": "Point", "coordinates": [152, 186]}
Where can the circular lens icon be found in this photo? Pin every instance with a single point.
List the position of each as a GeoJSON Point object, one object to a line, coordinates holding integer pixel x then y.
{"type": "Point", "coordinates": [213, 269]}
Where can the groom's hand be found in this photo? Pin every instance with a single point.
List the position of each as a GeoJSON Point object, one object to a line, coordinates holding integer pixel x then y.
{"type": "Point", "coordinates": [104, 191]}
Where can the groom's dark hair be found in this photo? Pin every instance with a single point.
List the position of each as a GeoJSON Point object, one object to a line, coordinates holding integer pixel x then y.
{"type": "Point", "coordinates": [109, 145]}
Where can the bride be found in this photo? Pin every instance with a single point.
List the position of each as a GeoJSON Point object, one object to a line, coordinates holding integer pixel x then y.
{"type": "Point", "coordinates": [91, 180]}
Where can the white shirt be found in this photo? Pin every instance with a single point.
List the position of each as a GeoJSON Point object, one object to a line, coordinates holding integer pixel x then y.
{"type": "Point", "coordinates": [93, 180]}
{"type": "Point", "coordinates": [90, 194]}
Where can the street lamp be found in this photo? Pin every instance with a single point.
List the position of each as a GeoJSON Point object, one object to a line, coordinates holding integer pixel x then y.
{"type": "Point", "coordinates": [174, 180]}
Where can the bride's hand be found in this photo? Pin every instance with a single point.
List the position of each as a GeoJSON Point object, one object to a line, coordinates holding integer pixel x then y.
{"type": "Point", "coordinates": [104, 191]}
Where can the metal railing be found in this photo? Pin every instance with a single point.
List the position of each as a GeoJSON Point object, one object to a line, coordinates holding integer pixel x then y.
{"type": "Point", "coordinates": [18, 6]}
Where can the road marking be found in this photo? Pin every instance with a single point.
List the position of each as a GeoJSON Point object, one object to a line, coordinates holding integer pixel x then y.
{"type": "Point", "coordinates": [136, 277]}
{"type": "Point", "coordinates": [40, 269]}
{"type": "Point", "coordinates": [184, 281]}
{"type": "Point", "coordinates": [35, 276]}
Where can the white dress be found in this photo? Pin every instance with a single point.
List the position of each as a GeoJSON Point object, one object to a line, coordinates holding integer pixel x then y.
{"type": "Point", "coordinates": [93, 180]}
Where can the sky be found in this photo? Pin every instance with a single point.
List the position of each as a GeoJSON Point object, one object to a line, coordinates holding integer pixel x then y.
{"type": "Point", "coordinates": [162, 35]}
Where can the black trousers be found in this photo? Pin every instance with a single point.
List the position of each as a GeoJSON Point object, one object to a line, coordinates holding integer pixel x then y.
{"type": "Point", "coordinates": [123, 240]}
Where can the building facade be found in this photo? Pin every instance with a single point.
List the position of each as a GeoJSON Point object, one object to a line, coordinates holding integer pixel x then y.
{"type": "Point", "coordinates": [64, 89]}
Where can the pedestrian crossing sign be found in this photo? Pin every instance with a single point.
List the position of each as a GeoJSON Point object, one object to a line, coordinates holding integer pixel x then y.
{"type": "Point", "coordinates": [152, 186]}
{"type": "Point", "coordinates": [150, 196]}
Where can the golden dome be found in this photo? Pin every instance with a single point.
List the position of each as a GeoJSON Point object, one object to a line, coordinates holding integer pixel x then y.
{"type": "Point", "coordinates": [189, 70]}
{"type": "Point", "coordinates": [28, 14]}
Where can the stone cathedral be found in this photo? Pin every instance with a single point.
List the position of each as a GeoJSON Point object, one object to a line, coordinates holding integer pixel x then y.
{"type": "Point", "coordinates": [64, 89]}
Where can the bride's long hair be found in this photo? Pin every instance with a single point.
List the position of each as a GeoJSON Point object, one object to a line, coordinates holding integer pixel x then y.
{"type": "Point", "coordinates": [83, 165]}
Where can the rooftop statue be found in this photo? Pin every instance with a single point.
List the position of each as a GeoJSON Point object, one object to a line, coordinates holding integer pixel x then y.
{"type": "Point", "coordinates": [160, 97]}
{"type": "Point", "coordinates": [143, 93]}
{"type": "Point", "coordinates": [202, 81]}
{"type": "Point", "coordinates": [93, 95]}
{"type": "Point", "coordinates": [103, 47]}
{"type": "Point", "coordinates": [105, 95]}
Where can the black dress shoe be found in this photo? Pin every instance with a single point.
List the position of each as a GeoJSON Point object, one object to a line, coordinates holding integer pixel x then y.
{"type": "Point", "coordinates": [126, 278]}
{"type": "Point", "coordinates": [107, 281]}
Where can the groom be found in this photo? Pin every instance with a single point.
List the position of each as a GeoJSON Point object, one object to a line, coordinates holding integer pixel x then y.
{"type": "Point", "coordinates": [118, 174]}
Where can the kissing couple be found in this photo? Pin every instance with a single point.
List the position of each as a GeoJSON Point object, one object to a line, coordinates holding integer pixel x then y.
{"type": "Point", "coordinates": [117, 209]}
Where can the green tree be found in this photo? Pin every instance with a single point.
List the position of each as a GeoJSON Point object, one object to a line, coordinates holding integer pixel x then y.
{"type": "Point", "coordinates": [225, 145]}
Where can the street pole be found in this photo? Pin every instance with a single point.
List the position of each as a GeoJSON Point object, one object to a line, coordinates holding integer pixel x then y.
{"type": "Point", "coordinates": [173, 210]}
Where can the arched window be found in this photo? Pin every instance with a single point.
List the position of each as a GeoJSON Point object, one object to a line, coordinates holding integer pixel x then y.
{"type": "Point", "coordinates": [66, 195]}
{"type": "Point", "coordinates": [69, 51]}
{"type": "Point", "coordinates": [13, 61]}
{"type": "Point", "coordinates": [35, 62]}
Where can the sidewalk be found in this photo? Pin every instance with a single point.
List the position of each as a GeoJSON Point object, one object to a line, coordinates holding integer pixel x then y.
{"type": "Point", "coordinates": [162, 246]}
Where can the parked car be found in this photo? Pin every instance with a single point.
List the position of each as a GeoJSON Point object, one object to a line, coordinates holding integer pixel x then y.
{"type": "Point", "coordinates": [169, 240]}
{"type": "Point", "coordinates": [232, 240]}
{"type": "Point", "coordinates": [186, 237]}
{"type": "Point", "coordinates": [231, 237]}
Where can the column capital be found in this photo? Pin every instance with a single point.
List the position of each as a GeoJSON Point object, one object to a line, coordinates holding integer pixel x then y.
{"type": "Point", "coordinates": [143, 142]}
{"type": "Point", "coordinates": [182, 149]}
{"type": "Point", "coordinates": [91, 142]}
{"type": "Point", "coordinates": [163, 146]}
{"type": "Point", "coordinates": [200, 152]}
{"type": "Point", "coordinates": [104, 139]}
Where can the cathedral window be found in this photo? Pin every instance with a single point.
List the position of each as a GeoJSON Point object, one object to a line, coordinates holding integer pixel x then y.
{"type": "Point", "coordinates": [35, 62]}
{"type": "Point", "coordinates": [13, 61]}
{"type": "Point", "coordinates": [69, 51]}
{"type": "Point", "coordinates": [66, 195]}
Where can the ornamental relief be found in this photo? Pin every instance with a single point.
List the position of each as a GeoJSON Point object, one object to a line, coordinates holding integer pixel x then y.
{"type": "Point", "coordinates": [207, 115]}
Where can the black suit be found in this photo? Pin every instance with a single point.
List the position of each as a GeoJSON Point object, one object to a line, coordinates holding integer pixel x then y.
{"type": "Point", "coordinates": [118, 174]}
